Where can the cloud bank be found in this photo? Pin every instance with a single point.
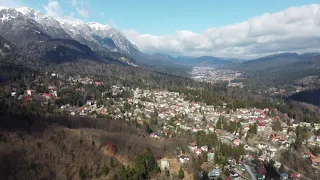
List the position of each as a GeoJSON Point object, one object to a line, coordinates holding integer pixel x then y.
{"type": "Point", "coordinates": [296, 29]}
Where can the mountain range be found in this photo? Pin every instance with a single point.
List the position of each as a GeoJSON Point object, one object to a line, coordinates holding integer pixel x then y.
{"type": "Point", "coordinates": [38, 36]}
{"type": "Point", "coordinates": [44, 39]}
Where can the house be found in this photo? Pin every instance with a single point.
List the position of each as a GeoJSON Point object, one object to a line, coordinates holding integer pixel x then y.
{"type": "Point", "coordinates": [30, 92]}
{"type": "Point", "coordinates": [204, 148]}
{"type": "Point", "coordinates": [47, 96]}
{"type": "Point", "coordinates": [164, 164]}
{"type": "Point", "coordinates": [192, 146]}
{"type": "Point", "coordinates": [89, 102]}
{"type": "Point", "coordinates": [195, 130]}
{"type": "Point", "coordinates": [285, 129]}
{"type": "Point", "coordinates": [262, 146]}
{"type": "Point", "coordinates": [183, 158]}
{"type": "Point", "coordinates": [295, 176]}
{"type": "Point", "coordinates": [232, 162]}
{"type": "Point", "coordinates": [237, 142]}
{"type": "Point", "coordinates": [99, 83]}
{"type": "Point", "coordinates": [308, 154]}
{"type": "Point", "coordinates": [198, 151]}
{"type": "Point", "coordinates": [295, 123]}
{"type": "Point", "coordinates": [210, 156]}
{"type": "Point", "coordinates": [315, 161]}
{"type": "Point", "coordinates": [214, 173]}
{"type": "Point", "coordinates": [154, 135]}
{"type": "Point", "coordinates": [13, 93]}
{"type": "Point", "coordinates": [261, 126]}
{"type": "Point", "coordinates": [284, 176]}
{"type": "Point", "coordinates": [261, 170]}
{"type": "Point", "coordinates": [246, 128]}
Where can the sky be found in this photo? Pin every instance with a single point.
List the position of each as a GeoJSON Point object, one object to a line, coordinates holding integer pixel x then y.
{"type": "Point", "coordinates": [240, 29]}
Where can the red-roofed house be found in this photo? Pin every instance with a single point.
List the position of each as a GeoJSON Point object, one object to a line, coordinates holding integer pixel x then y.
{"type": "Point", "coordinates": [308, 154]}
{"type": "Point", "coordinates": [261, 126]}
{"type": "Point", "coordinates": [47, 96]}
{"type": "Point", "coordinates": [195, 129]}
{"type": "Point", "coordinates": [295, 176]}
{"type": "Point", "coordinates": [237, 142]}
{"type": "Point", "coordinates": [198, 151]}
{"type": "Point", "coordinates": [99, 83]}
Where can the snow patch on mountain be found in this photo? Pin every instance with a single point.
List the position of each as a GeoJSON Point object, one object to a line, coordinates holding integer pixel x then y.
{"type": "Point", "coordinates": [7, 17]}
{"type": "Point", "coordinates": [6, 46]}
{"type": "Point", "coordinates": [98, 27]}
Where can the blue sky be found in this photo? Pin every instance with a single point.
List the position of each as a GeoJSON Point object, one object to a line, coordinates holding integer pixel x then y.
{"type": "Point", "coordinates": [161, 17]}
{"type": "Point", "coordinates": [237, 28]}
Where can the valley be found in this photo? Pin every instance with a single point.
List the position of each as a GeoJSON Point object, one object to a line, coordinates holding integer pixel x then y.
{"type": "Point", "coordinates": [215, 75]}
{"type": "Point", "coordinates": [79, 100]}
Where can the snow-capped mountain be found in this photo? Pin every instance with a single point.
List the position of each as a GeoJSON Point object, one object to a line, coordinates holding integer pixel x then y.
{"type": "Point", "coordinates": [92, 34]}
{"type": "Point", "coordinates": [101, 34]}
{"type": "Point", "coordinates": [36, 34]}
{"type": "Point", "coordinates": [49, 24]}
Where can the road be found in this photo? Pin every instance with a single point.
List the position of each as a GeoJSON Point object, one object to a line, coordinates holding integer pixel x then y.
{"type": "Point", "coordinates": [240, 174]}
{"type": "Point", "coordinates": [248, 168]}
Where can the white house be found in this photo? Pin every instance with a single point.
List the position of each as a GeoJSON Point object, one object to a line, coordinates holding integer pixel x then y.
{"type": "Point", "coordinates": [204, 148]}
{"type": "Point", "coordinates": [262, 146]}
{"type": "Point", "coordinates": [183, 159]}
{"type": "Point", "coordinates": [164, 164]}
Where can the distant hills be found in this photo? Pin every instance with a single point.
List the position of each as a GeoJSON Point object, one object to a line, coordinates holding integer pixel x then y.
{"type": "Point", "coordinates": [159, 58]}
{"type": "Point", "coordinates": [280, 70]}
{"type": "Point", "coordinates": [273, 62]}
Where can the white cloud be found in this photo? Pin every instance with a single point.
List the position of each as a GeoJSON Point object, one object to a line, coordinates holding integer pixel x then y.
{"type": "Point", "coordinates": [82, 7]}
{"type": "Point", "coordinates": [296, 29]}
{"type": "Point", "coordinates": [53, 9]}
{"type": "Point", "coordinates": [102, 14]}
{"type": "Point", "coordinates": [82, 12]}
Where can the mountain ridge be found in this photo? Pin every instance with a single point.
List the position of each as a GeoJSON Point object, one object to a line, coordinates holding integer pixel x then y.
{"type": "Point", "coordinates": [32, 32]}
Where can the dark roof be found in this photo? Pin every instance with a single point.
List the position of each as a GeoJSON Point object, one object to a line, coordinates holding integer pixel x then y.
{"type": "Point", "coordinates": [261, 169]}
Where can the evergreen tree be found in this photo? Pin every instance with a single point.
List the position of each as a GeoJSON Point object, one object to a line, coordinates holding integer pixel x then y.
{"type": "Point", "coordinates": [226, 172]}
{"type": "Point", "coordinates": [167, 172]}
{"type": "Point", "coordinates": [181, 173]}
{"type": "Point", "coordinates": [247, 136]}
{"type": "Point", "coordinates": [148, 129]}
{"type": "Point", "coordinates": [205, 156]}
{"type": "Point", "coordinates": [276, 126]}
{"type": "Point", "coordinates": [219, 123]}
{"type": "Point", "coordinates": [123, 172]}
{"type": "Point", "coordinates": [82, 173]}
{"type": "Point", "coordinates": [111, 163]}
{"type": "Point", "coordinates": [105, 170]}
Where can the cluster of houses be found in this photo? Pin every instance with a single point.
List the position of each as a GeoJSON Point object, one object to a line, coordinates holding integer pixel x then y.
{"type": "Point", "coordinates": [178, 114]}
